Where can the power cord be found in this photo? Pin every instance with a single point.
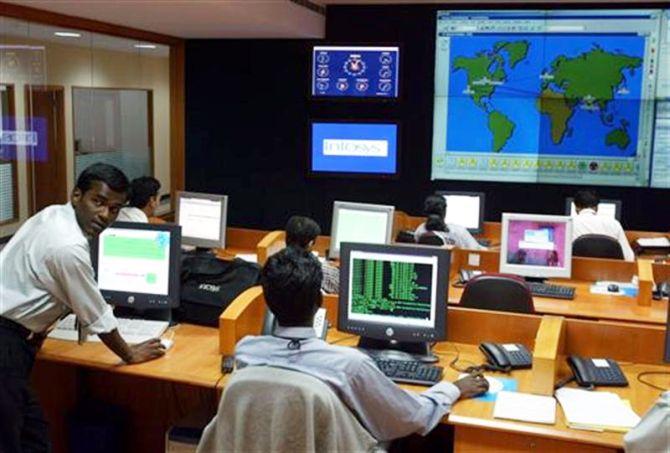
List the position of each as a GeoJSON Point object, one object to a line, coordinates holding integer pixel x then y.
{"type": "Point", "coordinates": [652, 373]}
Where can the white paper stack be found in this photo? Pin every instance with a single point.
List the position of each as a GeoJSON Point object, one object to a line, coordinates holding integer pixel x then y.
{"type": "Point", "coordinates": [654, 242]}
{"type": "Point", "coordinates": [596, 411]}
{"type": "Point", "coordinates": [525, 407]}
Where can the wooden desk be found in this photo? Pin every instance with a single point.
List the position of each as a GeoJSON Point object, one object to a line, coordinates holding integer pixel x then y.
{"type": "Point", "coordinates": [591, 306]}
{"type": "Point", "coordinates": [154, 394]}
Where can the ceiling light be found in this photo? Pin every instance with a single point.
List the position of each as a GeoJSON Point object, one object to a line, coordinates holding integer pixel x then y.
{"type": "Point", "coordinates": [67, 34]}
{"type": "Point", "coordinates": [145, 46]}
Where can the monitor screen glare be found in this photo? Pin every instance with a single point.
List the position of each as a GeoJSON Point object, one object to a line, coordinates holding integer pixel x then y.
{"type": "Point", "coordinates": [200, 218]}
{"type": "Point", "coordinates": [463, 210]}
{"type": "Point", "coordinates": [134, 261]}
{"type": "Point", "coordinates": [392, 289]}
{"type": "Point", "coordinates": [534, 243]}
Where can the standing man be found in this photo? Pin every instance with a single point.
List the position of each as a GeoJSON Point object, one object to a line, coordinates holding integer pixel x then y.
{"type": "Point", "coordinates": [142, 201]}
{"type": "Point", "coordinates": [46, 273]}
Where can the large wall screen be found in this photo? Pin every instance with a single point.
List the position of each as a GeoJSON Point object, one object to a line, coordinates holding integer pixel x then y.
{"type": "Point", "coordinates": [566, 96]}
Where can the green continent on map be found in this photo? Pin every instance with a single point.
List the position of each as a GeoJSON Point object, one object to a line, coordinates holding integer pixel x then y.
{"type": "Point", "coordinates": [554, 105]}
{"type": "Point", "coordinates": [517, 50]}
{"type": "Point", "coordinates": [479, 75]}
{"type": "Point", "coordinates": [502, 128]}
{"type": "Point", "coordinates": [618, 137]}
{"type": "Point", "coordinates": [591, 77]}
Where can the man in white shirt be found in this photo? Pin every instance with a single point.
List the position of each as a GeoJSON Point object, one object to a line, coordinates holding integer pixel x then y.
{"type": "Point", "coordinates": [587, 221]}
{"type": "Point", "coordinates": [46, 273]}
{"type": "Point", "coordinates": [291, 281]}
{"type": "Point", "coordinates": [142, 201]}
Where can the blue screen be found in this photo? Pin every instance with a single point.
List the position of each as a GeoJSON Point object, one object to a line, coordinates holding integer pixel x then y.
{"type": "Point", "coordinates": [355, 71]}
{"type": "Point", "coordinates": [369, 148]}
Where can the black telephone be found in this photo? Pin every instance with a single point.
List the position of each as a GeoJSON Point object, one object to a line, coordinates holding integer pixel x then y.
{"type": "Point", "coordinates": [590, 372]}
{"type": "Point", "coordinates": [320, 323]}
{"type": "Point", "coordinates": [507, 356]}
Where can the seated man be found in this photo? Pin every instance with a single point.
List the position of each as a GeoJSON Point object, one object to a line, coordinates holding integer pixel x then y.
{"type": "Point", "coordinates": [435, 208]}
{"type": "Point", "coordinates": [653, 432]}
{"type": "Point", "coordinates": [301, 232]}
{"type": "Point", "coordinates": [142, 201]}
{"type": "Point", "coordinates": [291, 281]}
{"type": "Point", "coordinates": [588, 222]}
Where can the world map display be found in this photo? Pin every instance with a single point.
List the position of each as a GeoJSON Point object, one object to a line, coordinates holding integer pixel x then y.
{"type": "Point", "coordinates": [545, 95]}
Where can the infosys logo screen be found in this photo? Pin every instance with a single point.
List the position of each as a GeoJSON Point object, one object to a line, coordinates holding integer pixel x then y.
{"type": "Point", "coordinates": [366, 148]}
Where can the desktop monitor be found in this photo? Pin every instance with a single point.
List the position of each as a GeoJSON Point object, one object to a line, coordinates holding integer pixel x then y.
{"type": "Point", "coordinates": [536, 246]}
{"type": "Point", "coordinates": [607, 208]}
{"type": "Point", "coordinates": [360, 222]}
{"type": "Point", "coordinates": [465, 209]}
{"type": "Point", "coordinates": [202, 218]}
{"type": "Point", "coordinates": [666, 356]}
{"type": "Point", "coordinates": [394, 296]}
{"type": "Point", "coordinates": [137, 264]}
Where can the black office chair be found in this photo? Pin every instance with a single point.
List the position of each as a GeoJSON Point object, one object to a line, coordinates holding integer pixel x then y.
{"type": "Point", "coordinates": [430, 238]}
{"type": "Point", "coordinates": [501, 292]}
{"type": "Point", "coordinates": [597, 246]}
{"type": "Point", "coordinates": [405, 237]}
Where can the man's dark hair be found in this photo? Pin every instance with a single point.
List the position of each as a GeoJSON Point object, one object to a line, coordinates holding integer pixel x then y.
{"type": "Point", "coordinates": [109, 174]}
{"type": "Point", "coordinates": [586, 199]}
{"type": "Point", "coordinates": [300, 231]}
{"type": "Point", "coordinates": [141, 191]}
{"type": "Point", "coordinates": [435, 205]}
{"type": "Point", "coordinates": [291, 280]}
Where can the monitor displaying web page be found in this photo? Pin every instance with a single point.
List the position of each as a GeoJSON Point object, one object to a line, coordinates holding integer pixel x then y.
{"type": "Point", "coordinates": [606, 208]}
{"type": "Point", "coordinates": [137, 264]}
{"type": "Point", "coordinates": [465, 209]}
{"type": "Point", "coordinates": [202, 218]}
{"type": "Point", "coordinates": [361, 223]}
{"type": "Point", "coordinates": [536, 245]}
{"type": "Point", "coordinates": [394, 292]}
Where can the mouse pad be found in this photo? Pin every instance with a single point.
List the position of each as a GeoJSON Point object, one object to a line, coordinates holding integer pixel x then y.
{"type": "Point", "coordinates": [496, 384]}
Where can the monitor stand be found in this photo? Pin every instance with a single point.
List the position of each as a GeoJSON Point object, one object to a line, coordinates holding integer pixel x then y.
{"type": "Point", "coordinates": [397, 350]}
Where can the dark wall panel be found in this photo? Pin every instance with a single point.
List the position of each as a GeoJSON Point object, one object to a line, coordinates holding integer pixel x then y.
{"type": "Point", "coordinates": [247, 113]}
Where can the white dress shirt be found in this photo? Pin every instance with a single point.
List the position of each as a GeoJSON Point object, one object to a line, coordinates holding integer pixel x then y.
{"type": "Point", "coordinates": [132, 214]}
{"type": "Point", "coordinates": [457, 235]}
{"type": "Point", "coordinates": [385, 410]}
{"type": "Point", "coordinates": [46, 272]}
{"type": "Point", "coordinates": [589, 222]}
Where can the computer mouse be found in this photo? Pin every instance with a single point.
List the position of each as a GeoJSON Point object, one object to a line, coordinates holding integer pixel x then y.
{"type": "Point", "coordinates": [613, 288]}
{"type": "Point", "coordinates": [166, 343]}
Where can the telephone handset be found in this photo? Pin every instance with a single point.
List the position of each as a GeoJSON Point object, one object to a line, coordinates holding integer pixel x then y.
{"type": "Point", "coordinates": [320, 323]}
{"type": "Point", "coordinates": [592, 372]}
{"type": "Point", "coordinates": [507, 356]}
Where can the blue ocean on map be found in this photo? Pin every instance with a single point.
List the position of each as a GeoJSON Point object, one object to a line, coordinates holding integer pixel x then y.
{"type": "Point", "coordinates": [517, 98]}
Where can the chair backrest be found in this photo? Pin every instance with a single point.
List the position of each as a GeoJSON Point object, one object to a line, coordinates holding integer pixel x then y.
{"type": "Point", "coordinates": [597, 246]}
{"type": "Point", "coordinates": [274, 409]}
{"type": "Point", "coordinates": [430, 238]}
{"type": "Point", "coordinates": [502, 292]}
{"type": "Point", "coordinates": [405, 237]}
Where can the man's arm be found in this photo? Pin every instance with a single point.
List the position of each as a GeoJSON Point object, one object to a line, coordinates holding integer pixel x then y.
{"type": "Point", "coordinates": [628, 253]}
{"type": "Point", "coordinates": [149, 350]}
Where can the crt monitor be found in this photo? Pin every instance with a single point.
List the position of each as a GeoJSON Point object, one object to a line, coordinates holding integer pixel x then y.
{"type": "Point", "coordinates": [607, 208]}
{"type": "Point", "coordinates": [360, 222]}
{"type": "Point", "coordinates": [465, 209]}
{"type": "Point", "coordinates": [394, 296]}
{"type": "Point", "coordinates": [202, 218]}
{"type": "Point", "coordinates": [137, 264]}
{"type": "Point", "coordinates": [536, 246]}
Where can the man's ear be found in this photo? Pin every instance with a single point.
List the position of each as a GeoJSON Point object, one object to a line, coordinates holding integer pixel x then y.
{"type": "Point", "coordinates": [76, 195]}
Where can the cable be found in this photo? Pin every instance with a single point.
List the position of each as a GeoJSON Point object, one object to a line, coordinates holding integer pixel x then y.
{"type": "Point", "coordinates": [652, 373]}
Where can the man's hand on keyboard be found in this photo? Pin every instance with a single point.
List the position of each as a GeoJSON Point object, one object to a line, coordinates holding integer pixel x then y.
{"type": "Point", "coordinates": [149, 350]}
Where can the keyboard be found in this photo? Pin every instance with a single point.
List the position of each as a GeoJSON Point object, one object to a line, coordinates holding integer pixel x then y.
{"type": "Point", "coordinates": [132, 330]}
{"type": "Point", "coordinates": [551, 291]}
{"type": "Point", "coordinates": [410, 371]}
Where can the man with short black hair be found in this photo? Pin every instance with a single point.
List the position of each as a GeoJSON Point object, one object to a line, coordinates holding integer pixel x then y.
{"type": "Point", "coordinates": [142, 201]}
{"type": "Point", "coordinates": [587, 221]}
{"type": "Point", "coordinates": [301, 232]}
{"type": "Point", "coordinates": [46, 273]}
{"type": "Point", "coordinates": [291, 280]}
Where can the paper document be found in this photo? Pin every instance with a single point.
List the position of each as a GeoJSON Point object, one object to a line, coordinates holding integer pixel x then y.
{"type": "Point", "coordinates": [525, 407]}
{"type": "Point", "coordinates": [133, 331]}
{"type": "Point", "coordinates": [654, 242]}
{"type": "Point", "coordinates": [586, 409]}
